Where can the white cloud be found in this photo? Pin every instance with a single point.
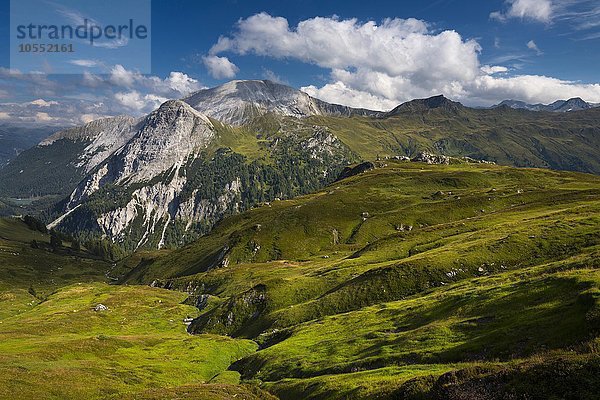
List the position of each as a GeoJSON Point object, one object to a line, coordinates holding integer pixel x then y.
{"type": "Point", "coordinates": [335, 92]}
{"type": "Point", "coordinates": [530, 88]}
{"type": "Point", "coordinates": [381, 65]}
{"type": "Point", "coordinates": [334, 43]}
{"type": "Point", "coordinates": [92, 96]}
{"type": "Point", "coordinates": [43, 117]}
{"type": "Point", "coordinates": [537, 10]}
{"type": "Point", "coordinates": [533, 46]}
{"type": "Point", "coordinates": [491, 70]}
{"type": "Point", "coordinates": [220, 67]}
{"type": "Point", "coordinates": [176, 85]}
{"type": "Point", "coordinates": [43, 103]}
{"type": "Point", "coordinates": [84, 63]}
{"type": "Point", "coordinates": [138, 102]}
{"type": "Point", "coordinates": [124, 77]}
{"type": "Point", "coordinates": [182, 83]}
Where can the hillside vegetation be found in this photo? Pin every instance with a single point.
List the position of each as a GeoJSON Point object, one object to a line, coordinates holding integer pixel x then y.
{"type": "Point", "coordinates": [55, 343]}
{"type": "Point", "coordinates": [408, 281]}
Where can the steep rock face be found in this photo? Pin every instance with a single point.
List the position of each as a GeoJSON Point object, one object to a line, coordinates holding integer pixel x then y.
{"type": "Point", "coordinates": [172, 181]}
{"type": "Point", "coordinates": [238, 102]}
{"type": "Point", "coordinates": [164, 140]}
{"type": "Point", "coordinates": [146, 172]}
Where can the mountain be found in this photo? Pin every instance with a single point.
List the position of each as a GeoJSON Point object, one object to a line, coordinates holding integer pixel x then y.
{"type": "Point", "coordinates": [167, 178]}
{"type": "Point", "coordinates": [314, 255]}
{"type": "Point", "coordinates": [239, 102]}
{"type": "Point", "coordinates": [405, 281]}
{"type": "Point", "coordinates": [574, 104]}
{"type": "Point", "coordinates": [58, 163]}
{"type": "Point", "coordinates": [15, 138]}
{"type": "Point", "coordinates": [174, 178]}
{"type": "Point", "coordinates": [439, 102]}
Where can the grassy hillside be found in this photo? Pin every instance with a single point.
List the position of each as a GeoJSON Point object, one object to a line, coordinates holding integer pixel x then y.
{"type": "Point", "coordinates": [64, 349]}
{"type": "Point", "coordinates": [563, 141]}
{"type": "Point", "coordinates": [54, 345]}
{"type": "Point", "coordinates": [410, 280]}
{"type": "Point", "coordinates": [28, 274]}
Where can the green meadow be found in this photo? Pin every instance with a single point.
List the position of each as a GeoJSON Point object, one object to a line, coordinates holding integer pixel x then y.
{"type": "Point", "coordinates": [409, 281]}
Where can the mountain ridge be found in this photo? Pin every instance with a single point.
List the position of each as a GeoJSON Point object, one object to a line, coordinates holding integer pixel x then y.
{"type": "Point", "coordinates": [573, 104]}
{"type": "Point", "coordinates": [239, 101]}
{"type": "Point", "coordinates": [180, 169]}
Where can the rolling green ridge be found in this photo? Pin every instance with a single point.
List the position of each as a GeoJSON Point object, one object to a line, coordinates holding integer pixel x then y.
{"type": "Point", "coordinates": [565, 141]}
{"type": "Point", "coordinates": [408, 281]}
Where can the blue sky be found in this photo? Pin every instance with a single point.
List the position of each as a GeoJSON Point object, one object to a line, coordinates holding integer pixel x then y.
{"type": "Point", "coordinates": [372, 54]}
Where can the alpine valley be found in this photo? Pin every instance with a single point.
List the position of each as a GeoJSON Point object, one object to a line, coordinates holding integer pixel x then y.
{"type": "Point", "coordinates": [251, 241]}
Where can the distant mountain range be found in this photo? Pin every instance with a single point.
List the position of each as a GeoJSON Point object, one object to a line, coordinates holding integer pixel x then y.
{"type": "Point", "coordinates": [168, 177]}
{"type": "Point", "coordinates": [574, 104]}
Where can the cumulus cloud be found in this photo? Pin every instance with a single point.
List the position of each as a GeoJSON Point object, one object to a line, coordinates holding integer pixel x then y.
{"type": "Point", "coordinates": [379, 65]}
{"type": "Point", "coordinates": [137, 102]}
{"type": "Point", "coordinates": [176, 85]}
{"type": "Point", "coordinates": [121, 76]}
{"type": "Point", "coordinates": [537, 10]}
{"type": "Point", "coordinates": [531, 88]}
{"type": "Point", "coordinates": [334, 92]}
{"type": "Point", "coordinates": [220, 67]}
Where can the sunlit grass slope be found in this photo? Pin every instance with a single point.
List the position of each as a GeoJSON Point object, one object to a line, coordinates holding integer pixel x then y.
{"type": "Point", "coordinates": [408, 281]}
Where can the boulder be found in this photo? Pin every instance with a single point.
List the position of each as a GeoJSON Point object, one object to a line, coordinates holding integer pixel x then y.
{"type": "Point", "coordinates": [100, 307]}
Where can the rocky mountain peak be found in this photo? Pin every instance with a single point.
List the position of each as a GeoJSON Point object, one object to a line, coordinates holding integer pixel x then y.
{"type": "Point", "coordinates": [424, 105]}
{"type": "Point", "coordinates": [238, 102]}
{"type": "Point", "coordinates": [171, 112]}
